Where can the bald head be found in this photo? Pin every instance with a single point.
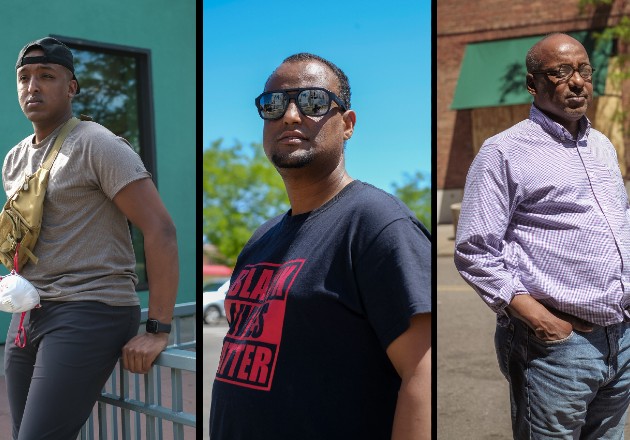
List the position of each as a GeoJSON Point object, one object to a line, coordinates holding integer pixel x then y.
{"type": "Point", "coordinates": [551, 43]}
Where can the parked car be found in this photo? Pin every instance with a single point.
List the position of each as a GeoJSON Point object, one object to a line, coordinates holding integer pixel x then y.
{"type": "Point", "coordinates": [213, 298]}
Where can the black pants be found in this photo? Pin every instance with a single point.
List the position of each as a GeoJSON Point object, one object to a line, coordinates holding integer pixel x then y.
{"type": "Point", "coordinates": [71, 350]}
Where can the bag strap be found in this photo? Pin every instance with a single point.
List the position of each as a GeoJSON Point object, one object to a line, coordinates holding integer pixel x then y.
{"type": "Point", "coordinates": [20, 337]}
{"type": "Point", "coordinates": [61, 137]}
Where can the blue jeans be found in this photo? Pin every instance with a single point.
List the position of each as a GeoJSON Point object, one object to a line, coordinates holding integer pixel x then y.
{"type": "Point", "coordinates": [574, 388]}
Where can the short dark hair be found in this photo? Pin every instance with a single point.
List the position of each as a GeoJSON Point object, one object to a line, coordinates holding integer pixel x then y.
{"type": "Point", "coordinates": [344, 84]}
{"type": "Point", "coordinates": [532, 59]}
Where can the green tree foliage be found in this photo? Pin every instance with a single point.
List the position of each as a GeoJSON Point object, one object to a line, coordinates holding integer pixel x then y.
{"type": "Point", "coordinates": [618, 70]}
{"type": "Point", "coordinates": [416, 196]}
{"type": "Point", "coordinates": [108, 92]}
{"type": "Point", "coordinates": [241, 190]}
{"type": "Point", "coordinates": [619, 32]}
{"type": "Point", "coordinates": [584, 3]}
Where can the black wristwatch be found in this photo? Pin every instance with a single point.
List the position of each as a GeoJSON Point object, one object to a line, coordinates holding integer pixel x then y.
{"type": "Point", "coordinates": [155, 326]}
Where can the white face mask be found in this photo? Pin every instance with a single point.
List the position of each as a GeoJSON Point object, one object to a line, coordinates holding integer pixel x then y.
{"type": "Point", "coordinates": [17, 294]}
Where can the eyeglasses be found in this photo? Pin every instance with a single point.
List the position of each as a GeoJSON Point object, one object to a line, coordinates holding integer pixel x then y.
{"type": "Point", "coordinates": [312, 101]}
{"type": "Point", "coordinates": [566, 71]}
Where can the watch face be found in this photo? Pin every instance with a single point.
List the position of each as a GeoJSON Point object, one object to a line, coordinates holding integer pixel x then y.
{"type": "Point", "coordinates": [155, 326]}
{"type": "Point", "coordinates": [152, 326]}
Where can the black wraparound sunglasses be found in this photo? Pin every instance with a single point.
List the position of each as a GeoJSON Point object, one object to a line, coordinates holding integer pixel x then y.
{"type": "Point", "coordinates": [312, 101]}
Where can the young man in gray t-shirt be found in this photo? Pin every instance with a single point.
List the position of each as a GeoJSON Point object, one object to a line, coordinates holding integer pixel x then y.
{"type": "Point", "coordinates": [89, 312]}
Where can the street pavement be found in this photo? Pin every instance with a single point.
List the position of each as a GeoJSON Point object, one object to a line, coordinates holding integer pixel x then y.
{"type": "Point", "coordinates": [473, 400]}
{"type": "Point", "coordinates": [212, 342]}
{"type": "Point", "coordinates": [472, 395]}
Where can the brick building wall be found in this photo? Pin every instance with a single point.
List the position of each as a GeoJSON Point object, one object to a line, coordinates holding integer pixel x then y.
{"type": "Point", "coordinates": [461, 22]}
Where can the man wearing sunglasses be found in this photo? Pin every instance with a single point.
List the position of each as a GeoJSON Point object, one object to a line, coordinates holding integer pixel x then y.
{"type": "Point", "coordinates": [544, 238]}
{"type": "Point", "coordinates": [329, 303]}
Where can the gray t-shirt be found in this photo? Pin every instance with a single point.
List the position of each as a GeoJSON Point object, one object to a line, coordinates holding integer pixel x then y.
{"type": "Point", "coordinates": [84, 248]}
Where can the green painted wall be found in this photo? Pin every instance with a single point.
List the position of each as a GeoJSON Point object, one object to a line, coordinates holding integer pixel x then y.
{"type": "Point", "coordinates": [168, 29]}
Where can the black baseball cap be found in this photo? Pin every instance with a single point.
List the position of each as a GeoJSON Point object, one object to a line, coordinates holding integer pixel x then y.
{"type": "Point", "coordinates": [55, 52]}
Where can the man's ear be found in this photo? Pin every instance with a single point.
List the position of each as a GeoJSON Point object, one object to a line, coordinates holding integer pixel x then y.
{"type": "Point", "coordinates": [72, 88]}
{"type": "Point", "coordinates": [349, 119]}
{"type": "Point", "coordinates": [531, 86]}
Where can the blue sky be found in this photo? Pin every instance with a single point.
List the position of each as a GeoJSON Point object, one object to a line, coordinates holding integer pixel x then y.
{"type": "Point", "coordinates": [383, 47]}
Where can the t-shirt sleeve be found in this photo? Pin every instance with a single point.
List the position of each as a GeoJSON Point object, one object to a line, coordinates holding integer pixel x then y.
{"type": "Point", "coordinates": [116, 165]}
{"type": "Point", "coordinates": [11, 172]}
{"type": "Point", "coordinates": [394, 278]}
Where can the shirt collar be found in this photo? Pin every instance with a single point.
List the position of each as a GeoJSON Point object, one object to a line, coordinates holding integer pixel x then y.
{"type": "Point", "coordinates": [556, 130]}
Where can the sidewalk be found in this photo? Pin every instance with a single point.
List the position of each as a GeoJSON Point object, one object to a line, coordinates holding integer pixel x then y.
{"type": "Point", "coordinates": [445, 240]}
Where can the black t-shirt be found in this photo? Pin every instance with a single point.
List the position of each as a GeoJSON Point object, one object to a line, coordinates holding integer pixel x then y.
{"type": "Point", "coordinates": [314, 301]}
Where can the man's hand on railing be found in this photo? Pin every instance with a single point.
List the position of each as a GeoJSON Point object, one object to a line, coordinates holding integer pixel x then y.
{"type": "Point", "coordinates": [140, 352]}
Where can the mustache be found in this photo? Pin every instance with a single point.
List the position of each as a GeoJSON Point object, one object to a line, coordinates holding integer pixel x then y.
{"type": "Point", "coordinates": [577, 95]}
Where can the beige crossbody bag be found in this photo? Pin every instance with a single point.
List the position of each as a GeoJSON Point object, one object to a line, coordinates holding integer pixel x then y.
{"type": "Point", "coordinates": [21, 217]}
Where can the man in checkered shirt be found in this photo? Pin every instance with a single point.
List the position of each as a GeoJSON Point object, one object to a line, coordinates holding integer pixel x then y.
{"type": "Point", "coordinates": [544, 239]}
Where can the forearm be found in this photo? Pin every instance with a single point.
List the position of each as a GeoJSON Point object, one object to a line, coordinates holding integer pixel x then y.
{"type": "Point", "coordinates": [528, 309]}
{"type": "Point", "coordinates": [141, 204]}
{"type": "Point", "coordinates": [410, 354]}
{"type": "Point", "coordinates": [162, 264]}
{"type": "Point", "coordinates": [412, 420]}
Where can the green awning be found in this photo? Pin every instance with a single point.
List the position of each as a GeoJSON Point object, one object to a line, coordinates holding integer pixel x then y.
{"type": "Point", "coordinates": [493, 72]}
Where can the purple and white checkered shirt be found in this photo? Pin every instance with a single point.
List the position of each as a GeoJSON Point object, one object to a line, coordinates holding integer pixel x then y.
{"type": "Point", "coordinates": [547, 215]}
